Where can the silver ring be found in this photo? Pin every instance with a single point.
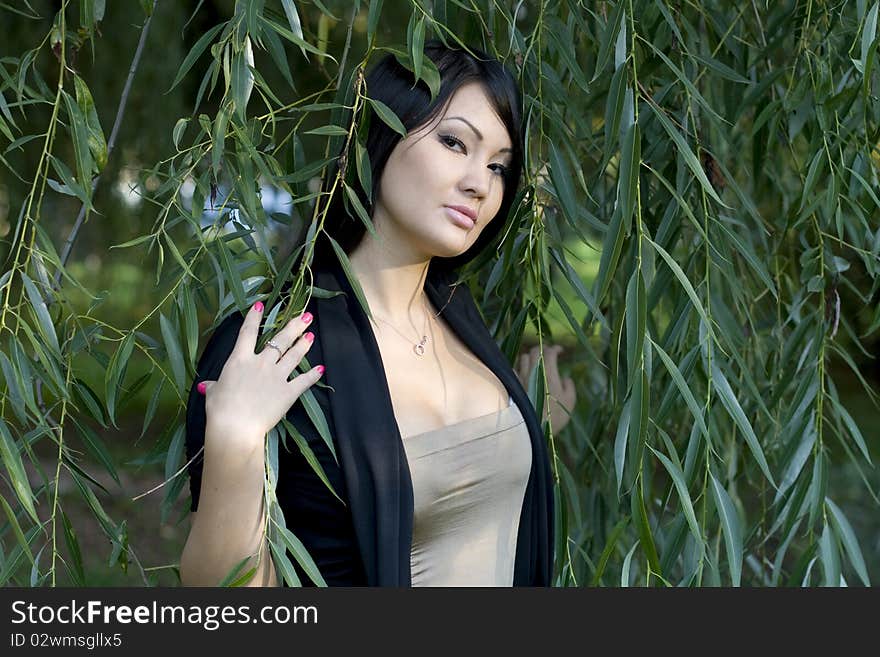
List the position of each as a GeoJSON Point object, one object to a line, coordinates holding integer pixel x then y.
{"type": "Point", "coordinates": [274, 345]}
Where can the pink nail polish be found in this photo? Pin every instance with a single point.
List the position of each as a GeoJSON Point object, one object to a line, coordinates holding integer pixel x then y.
{"type": "Point", "coordinates": [306, 317]}
{"type": "Point", "coordinates": [320, 369]}
{"type": "Point", "coordinates": [202, 387]}
{"type": "Point", "coordinates": [309, 336]}
{"type": "Point", "coordinates": [258, 306]}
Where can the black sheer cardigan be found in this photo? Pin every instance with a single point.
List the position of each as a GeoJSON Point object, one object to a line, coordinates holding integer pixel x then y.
{"type": "Point", "coordinates": [367, 540]}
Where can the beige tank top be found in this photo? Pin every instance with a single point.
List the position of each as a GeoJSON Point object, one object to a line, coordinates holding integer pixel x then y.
{"type": "Point", "coordinates": [469, 480]}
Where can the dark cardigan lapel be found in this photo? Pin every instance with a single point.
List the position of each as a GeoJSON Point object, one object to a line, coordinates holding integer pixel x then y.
{"type": "Point", "coordinates": [371, 451]}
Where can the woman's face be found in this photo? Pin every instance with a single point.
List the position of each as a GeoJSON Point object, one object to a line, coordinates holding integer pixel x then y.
{"type": "Point", "coordinates": [458, 159]}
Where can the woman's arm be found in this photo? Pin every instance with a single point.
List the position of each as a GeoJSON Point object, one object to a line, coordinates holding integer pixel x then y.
{"type": "Point", "coordinates": [251, 395]}
{"type": "Point", "coordinates": [229, 525]}
{"type": "Point", "coordinates": [563, 395]}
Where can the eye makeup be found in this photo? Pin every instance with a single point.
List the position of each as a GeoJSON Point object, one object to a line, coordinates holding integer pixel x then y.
{"type": "Point", "coordinates": [450, 140]}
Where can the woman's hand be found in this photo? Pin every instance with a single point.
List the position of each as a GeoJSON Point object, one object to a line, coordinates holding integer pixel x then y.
{"type": "Point", "coordinates": [253, 393]}
{"type": "Point", "coordinates": [562, 392]}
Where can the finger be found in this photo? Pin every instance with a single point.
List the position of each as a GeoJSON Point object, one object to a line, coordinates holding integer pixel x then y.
{"type": "Point", "coordinates": [551, 366]}
{"type": "Point", "coordinates": [250, 329]}
{"type": "Point", "coordinates": [203, 386]}
{"type": "Point", "coordinates": [299, 384]}
{"type": "Point", "coordinates": [298, 349]}
{"type": "Point", "coordinates": [570, 394]}
{"type": "Point", "coordinates": [522, 368]}
{"type": "Point", "coordinates": [286, 337]}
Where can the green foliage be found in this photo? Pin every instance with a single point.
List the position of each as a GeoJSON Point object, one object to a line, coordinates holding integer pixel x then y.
{"type": "Point", "coordinates": [698, 224]}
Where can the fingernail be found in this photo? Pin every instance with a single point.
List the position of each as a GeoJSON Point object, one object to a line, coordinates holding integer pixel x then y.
{"type": "Point", "coordinates": [258, 306]}
{"type": "Point", "coordinates": [306, 317]}
{"type": "Point", "coordinates": [309, 336]}
{"type": "Point", "coordinates": [320, 369]}
{"type": "Point", "coordinates": [202, 387]}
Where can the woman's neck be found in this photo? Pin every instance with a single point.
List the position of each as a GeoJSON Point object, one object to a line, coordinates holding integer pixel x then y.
{"type": "Point", "coordinates": [393, 281]}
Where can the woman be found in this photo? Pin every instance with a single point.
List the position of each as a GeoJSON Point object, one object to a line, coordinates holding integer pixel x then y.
{"type": "Point", "coordinates": [442, 474]}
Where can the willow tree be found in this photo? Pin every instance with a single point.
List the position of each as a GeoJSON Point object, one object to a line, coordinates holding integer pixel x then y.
{"type": "Point", "coordinates": [698, 223]}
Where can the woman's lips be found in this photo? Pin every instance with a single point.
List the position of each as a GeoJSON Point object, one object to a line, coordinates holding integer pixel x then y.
{"type": "Point", "coordinates": [459, 218]}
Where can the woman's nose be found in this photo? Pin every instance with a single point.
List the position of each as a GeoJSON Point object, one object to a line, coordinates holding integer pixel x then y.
{"type": "Point", "coordinates": [477, 181]}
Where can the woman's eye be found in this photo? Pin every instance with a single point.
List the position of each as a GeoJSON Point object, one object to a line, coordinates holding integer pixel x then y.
{"type": "Point", "coordinates": [451, 141]}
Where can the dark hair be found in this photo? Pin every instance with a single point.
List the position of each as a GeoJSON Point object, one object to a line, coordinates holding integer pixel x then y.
{"type": "Point", "coordinates": [393, 84]}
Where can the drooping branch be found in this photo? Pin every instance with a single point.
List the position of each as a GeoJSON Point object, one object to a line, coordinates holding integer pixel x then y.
{"type": "Point", "coordinates": [120, 113]}
{"type": "Point", "coordinates": [68, 244]}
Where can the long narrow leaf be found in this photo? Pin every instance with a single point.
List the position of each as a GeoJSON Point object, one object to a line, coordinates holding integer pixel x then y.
{"type": "Point", "coordinates": [850, 543]}
{"type": "Point", "coordinates": [731, 526]}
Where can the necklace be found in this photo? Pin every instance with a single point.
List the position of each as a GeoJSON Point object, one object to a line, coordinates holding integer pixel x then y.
{"type": "Point", "coordinates": [418, 345]}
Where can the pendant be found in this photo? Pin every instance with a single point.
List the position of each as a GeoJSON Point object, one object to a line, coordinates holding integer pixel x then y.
{"type": "Point", "coordinates": [420, 347]}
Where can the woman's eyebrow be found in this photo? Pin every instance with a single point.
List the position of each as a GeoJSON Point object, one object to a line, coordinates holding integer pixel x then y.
{"type": "Point", "coordinates": [476, 132]}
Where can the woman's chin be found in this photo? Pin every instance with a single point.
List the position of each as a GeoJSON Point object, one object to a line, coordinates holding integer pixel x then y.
{"type": "Point", "coordinates": [448, 250]}
{"type": "Point", "coordinates": [444, 244]}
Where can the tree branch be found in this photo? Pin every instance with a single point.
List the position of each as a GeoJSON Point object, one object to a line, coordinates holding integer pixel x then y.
{"type": "Point", "coordinates": [354, 12]}
{"type": "Point", "coordinates": [120, 112]}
